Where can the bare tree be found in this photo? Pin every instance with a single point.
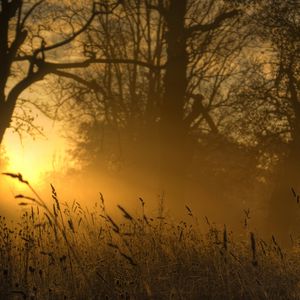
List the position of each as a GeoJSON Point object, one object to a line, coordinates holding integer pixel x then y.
{"type": "Point", "coordinates": [281, 28]}
{"type": "Point", "coordinates": [180, 30]}
{"type": "Point", "coordinates": [121, 99]}
{"type": "Point", "coordinates": [34, 35]}
{"type": "Point", "coordinates": [188, 60]}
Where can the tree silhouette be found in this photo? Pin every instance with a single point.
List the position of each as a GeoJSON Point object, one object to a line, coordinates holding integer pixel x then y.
{"type": "Point", "coordinates": [175, 134]}
{"type": "Point", "coordinates": [281, 28]}
{"type": "Point", "coordinates": [187, 50]}
{"type": "Point", "coordinates": [33, 36]}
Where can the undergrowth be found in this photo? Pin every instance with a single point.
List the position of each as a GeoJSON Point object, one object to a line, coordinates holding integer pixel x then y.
{"type": "Point", "coordinates": [62, 251]}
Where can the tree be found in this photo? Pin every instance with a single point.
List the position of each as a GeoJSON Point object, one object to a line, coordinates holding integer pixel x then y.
{"type": "Point", "coordinates": [282, 30]}
{"type": "Point", "coordinates": [31, 35]}
{"type": "Point", "coordinates": [268, 105]}
{"type": "Point", "coordinates": [122, 100]}
{"type": "Point", "coordinates": [188, 59]}
{"type": "Point", "coordinates": [175, 133]}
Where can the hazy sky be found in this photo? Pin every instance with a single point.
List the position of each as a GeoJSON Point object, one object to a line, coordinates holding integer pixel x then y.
{"type": "Point", "coordinates": [33, 157]}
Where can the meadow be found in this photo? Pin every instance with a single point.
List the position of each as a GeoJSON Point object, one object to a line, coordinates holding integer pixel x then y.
{"type": "Point", "coordinates": [63, 251]}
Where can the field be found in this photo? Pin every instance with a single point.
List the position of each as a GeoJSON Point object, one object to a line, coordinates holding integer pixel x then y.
{"type": "Point", "coordinates": [63, 251]}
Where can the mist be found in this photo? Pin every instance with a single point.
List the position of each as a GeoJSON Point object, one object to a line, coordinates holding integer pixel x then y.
{"type": "Point", "coordinates": [191, 111]}
{"type": "Point", "coordinates": [149, 122]}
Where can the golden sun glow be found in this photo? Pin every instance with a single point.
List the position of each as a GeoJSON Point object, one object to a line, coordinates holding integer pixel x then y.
{"type": "Point", "coordinates": [33, 158]}
{"type": "Point", "coordinates": [38, 160]}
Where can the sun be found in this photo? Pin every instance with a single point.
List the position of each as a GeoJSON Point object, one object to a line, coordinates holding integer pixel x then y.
{"type": "Point", "coordinates": [32, 158]}
{"type": "Point", "coordinates": [27, 161]}
{"type": "Point", "coordinates": [36, 160]}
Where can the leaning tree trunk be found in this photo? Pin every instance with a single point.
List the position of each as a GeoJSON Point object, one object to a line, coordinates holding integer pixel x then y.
{"type": "Point", "coordinates": [5, 118]}
{"type": "Point", "coordinates": [2, 125]}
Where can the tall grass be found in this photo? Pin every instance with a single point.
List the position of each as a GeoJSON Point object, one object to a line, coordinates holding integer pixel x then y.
{"type": "Point", "coordinates": [62, 251]}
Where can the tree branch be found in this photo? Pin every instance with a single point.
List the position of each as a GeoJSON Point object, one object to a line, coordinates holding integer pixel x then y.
{"type": "Point", "coordinates": [30, 12]}
{"type": "Point", "coordinates": [21, 86]}
{"type": "Point", "coordinates": [198, 109]}
{"type": "Point", "coordinates": [55, 66]}
{"type": "Point", "coordinates": [88, 83]}
{"type": "Point", "coordinates": [159, 7]}
{"type": "Point", "coordinates": [81, 30]}
{"type": "Point", "coordinates": [213, 25]}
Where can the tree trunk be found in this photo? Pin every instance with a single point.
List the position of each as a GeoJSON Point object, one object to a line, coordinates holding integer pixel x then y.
{"type": "Point", "coordinates": [173, 132]}
{"type": "Point", "coordinates": [5, 119]}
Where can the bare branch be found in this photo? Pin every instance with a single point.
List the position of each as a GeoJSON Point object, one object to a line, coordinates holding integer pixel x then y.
{"type": "Point", "coordinates": [199, 109]}
{"type": "Point", "coordinates": [81, 30]}
{"type": "Point", "coordinates": [213, 25]}
{"type": "Point", "coordinates": [159, 7]}
{"type": "Point", "coordinates": [55, 66]}
{"type": "Point", "coordinates": [92, 84]}
{"type": "Point", "coordinates": [30, 11]}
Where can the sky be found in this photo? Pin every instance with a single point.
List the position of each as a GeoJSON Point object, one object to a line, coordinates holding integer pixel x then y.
{"type": "Point", "coordinates": [32, 157]}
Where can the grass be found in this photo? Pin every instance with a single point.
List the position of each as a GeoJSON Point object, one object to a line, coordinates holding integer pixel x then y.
{"type": "Point", "coordinates": [62, 251]}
